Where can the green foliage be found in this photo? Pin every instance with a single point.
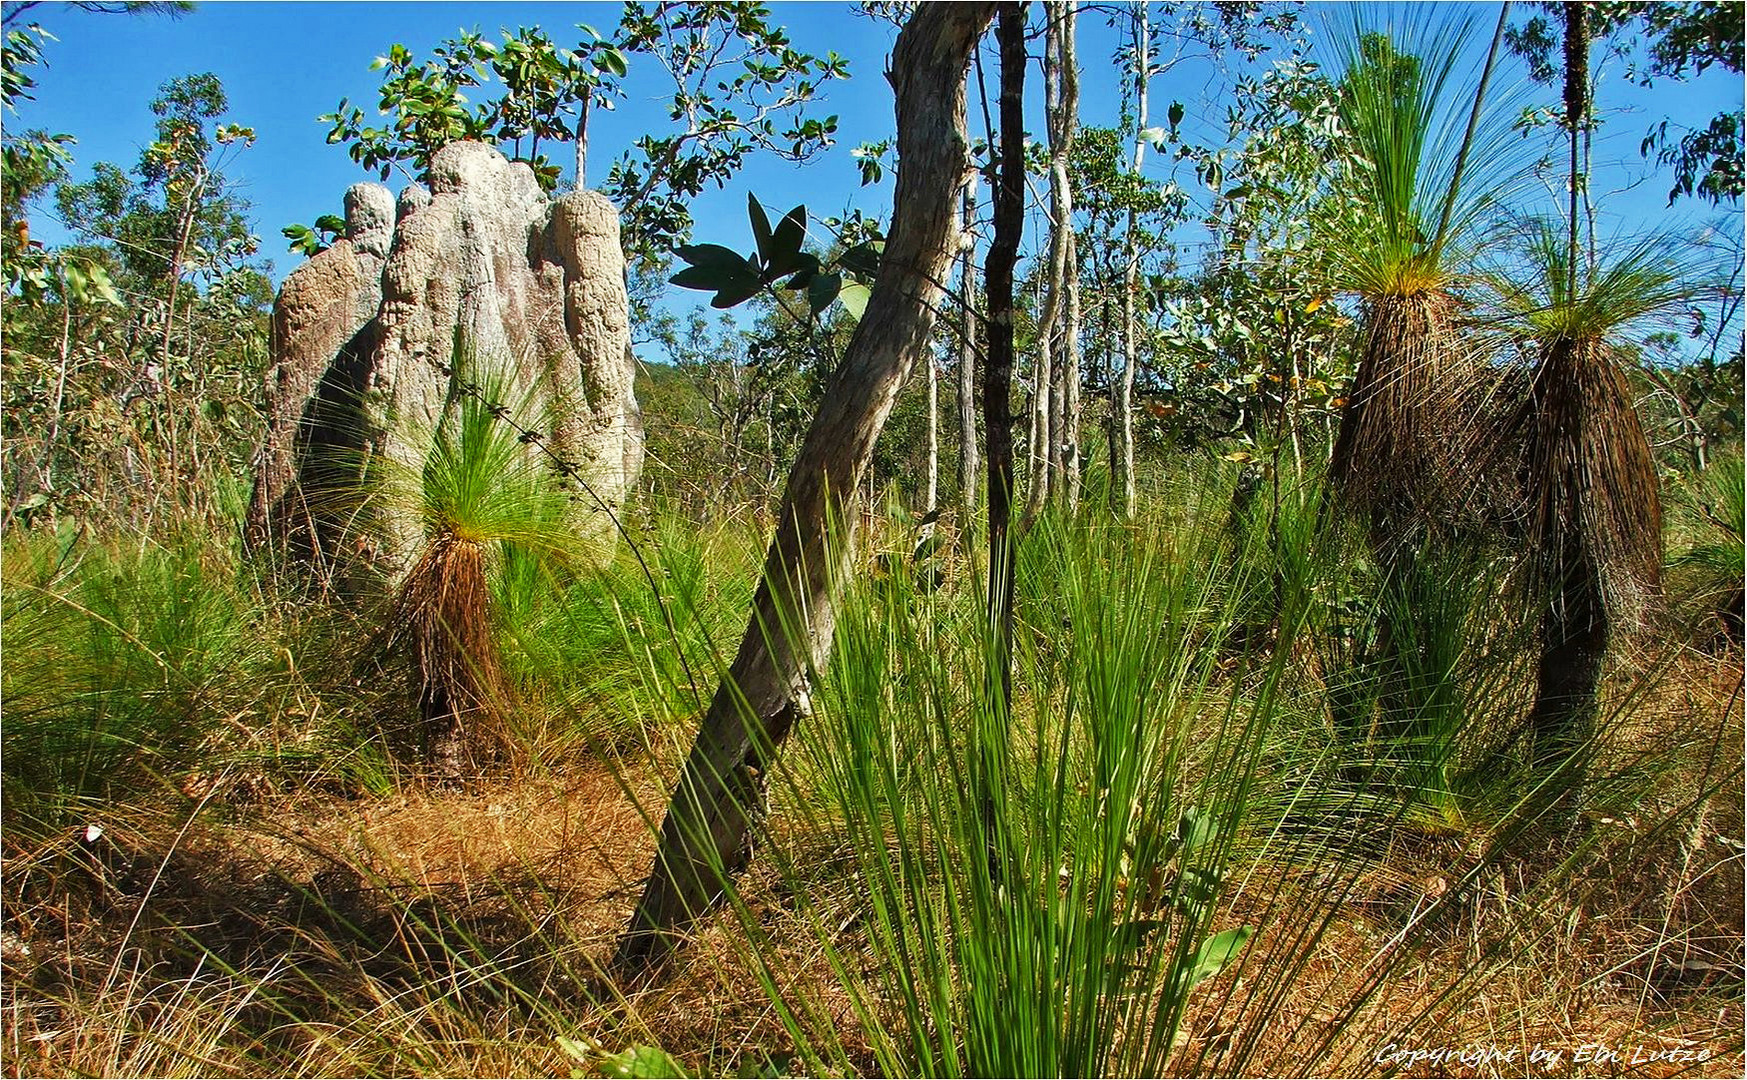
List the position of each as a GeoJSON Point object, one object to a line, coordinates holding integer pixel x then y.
{"type": "Point", "coordinates": [1420, 188]}
{"type": "Point", "coordinates": [1709, 566]}
{"type": "Point", "coordinates": [637, 1063]}
{"type": "Point", "coordinates": [1635, 279]}
{"type": "Point", "coordinates": [138, 660]}
{"type": "Point", "coordinates": [1678, 38]}
{"type": "Point", "coordinates": [545, 93]}
{"type": "Point", "coordinates": [32, 163]}
{"type": "Point", "coordinates": [111, 409]}
{"type": "Point", "coordinates": [1707, 161]}
{"type": "Point", "coordinates": [1042, 887]}
{"type": "Point", "coordinates": [779, 262]}
{"type": "Point", "coordinates": [480, 479]}
{"type": "Point", "coordinates": [739, 87]}
{"type": "Point", "coordinates": [1248, 346]}
{"type": "Point", "coordinates": [309, 241]}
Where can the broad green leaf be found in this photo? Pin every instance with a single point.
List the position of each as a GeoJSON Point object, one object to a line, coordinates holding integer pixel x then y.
{"type": "Point", "coordinates": [1194, 829]}
{"type": "Point", "coordinates": [614, 61]}
{"type": "Point", "coordinates": [1214, 955]}
{"type": "Point", "coordinates": [713, 255]}
{"type": "Point", "coordinates": [862, 260]}
{"type": "Point", "coordinates": [711, 277]}
{"type": "Point", "coordinates": [785, 244]}
{"type": "Point", "coordinates": [802, 275]}
{"type": "Point", "coordinates": [822, 291]}
{"type": "Point", "coordinates": [103, 287]}
{"type": "Point", "coordinates": [1175, 114]}
{"type": "Point", "coordinates": [736, 292]}
{"type": "Point", "coordinates": [641, 1063]}
{"type": "Point", "coordinates": [760, 227]}
{"type": "Point", "coordinates": [854, 296]}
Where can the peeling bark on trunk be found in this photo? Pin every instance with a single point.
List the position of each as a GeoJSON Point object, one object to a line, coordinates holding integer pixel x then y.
{"type": "Point", "coordinates": [708, 831]}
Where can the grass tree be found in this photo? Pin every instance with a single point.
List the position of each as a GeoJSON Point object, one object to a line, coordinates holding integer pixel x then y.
{"type": "Point", "coordinates": [1426, 164]}
{"type": "Point", "coordinates": [1595, 519]}
{"type": "Point", "coordinates": [1594, 513]}
{"type": "Point", "coordinates": [483, 499]}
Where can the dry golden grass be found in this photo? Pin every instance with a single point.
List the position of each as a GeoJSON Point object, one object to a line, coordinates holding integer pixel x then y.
{"type": "Point", "coordinates": [463, 932]}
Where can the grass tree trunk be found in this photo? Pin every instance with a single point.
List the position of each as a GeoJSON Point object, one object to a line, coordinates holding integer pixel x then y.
{"type": "Point", "coordinates": [967, 414]}
{"type": "Point", "coordinates": [1584, 464]}
{"type": "Point", "coordinates": [1597, 529]}
{"type": "Point", "coordinates": [708, 830]}
{"type": "Point", "coordinates": [1391, 460]}
{"type": "Point", "coordinates": [1123, 406]}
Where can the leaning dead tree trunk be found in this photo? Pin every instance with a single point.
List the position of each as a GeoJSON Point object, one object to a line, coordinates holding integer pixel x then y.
{"type": "Point", "coordinates": [707, 835]}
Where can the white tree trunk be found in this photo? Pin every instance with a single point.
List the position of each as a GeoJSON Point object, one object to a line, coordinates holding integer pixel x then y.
{"type": "Point", "coordinates": [1061, 90]}
{"type": "Point", "coordinates": [931, 497]}
{"type": "Point", "coordinates": [967, 416]}
{"type": "Point", "coordinates": [1131, 268]}
{"type": "Point", "coordinates": [1070, 437]}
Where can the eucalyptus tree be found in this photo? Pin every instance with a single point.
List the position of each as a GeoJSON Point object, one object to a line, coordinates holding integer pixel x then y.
{"type": "Point", "coordinates": [1123, 404]}
{"type": "Point", "coordinates": [1250, 345]}
{"type": "Point", "coordinates": [172, 236]}
{"type": "Point", "coordinates": [1054, 443]}
{"type": "Point", "coordinates": [708, 831]}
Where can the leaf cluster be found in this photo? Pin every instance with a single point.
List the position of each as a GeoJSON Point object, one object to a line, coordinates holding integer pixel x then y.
{"type": "Point", "coordinates": [778, 262]}
{"type": "Point", "coordinates": [739, 87]}
{"type": "Point", "coordinates": [543, 91]}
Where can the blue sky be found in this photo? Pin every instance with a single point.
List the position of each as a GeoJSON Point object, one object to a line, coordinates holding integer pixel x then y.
{"type": "Point", "coordinates": [285, 63]}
